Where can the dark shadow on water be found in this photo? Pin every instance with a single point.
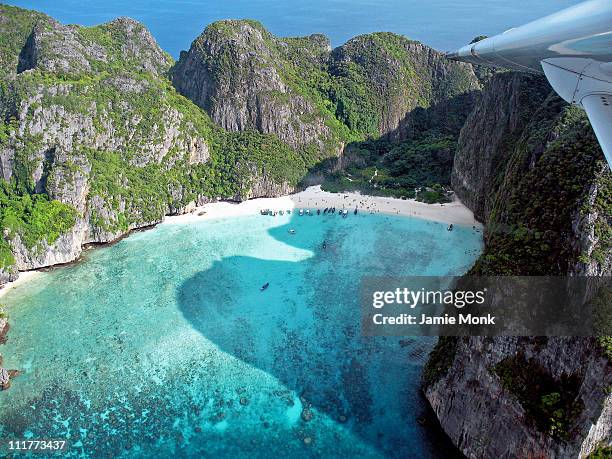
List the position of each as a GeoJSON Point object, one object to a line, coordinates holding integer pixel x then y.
{"type": "Point", "coordinates": [304, 330]}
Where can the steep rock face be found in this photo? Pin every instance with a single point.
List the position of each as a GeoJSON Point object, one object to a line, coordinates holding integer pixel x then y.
{"type": "Point", "coordinates": [313, 98]}
{"type": "Point", "coordinates": [16, 25]}
{"type": "Point", "coordinates": [484, 419]}
{"type": "Point", "coordinates": [261, 185]}
{"type": "Point", "coordinates": [66, 248]}
{"type": "Point", "coordinates": [8, 274]}
{"type": "Point", "coordinates": [591, 227]}
{"type": "Point", "coordinates": [59, 48]}
{"type": "Point", "coordinates": [545, 193]}
{"type": "Point", "coordinates": [59, 128]}
{"type": "Point", "coordinates": [239, 73]}
{"type": "Point", "coordinates": [501, 114]}
{"type": "Point", "coordinates": [381, 78]}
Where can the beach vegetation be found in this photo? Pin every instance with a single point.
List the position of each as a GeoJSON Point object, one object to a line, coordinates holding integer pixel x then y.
{"type": "Point", "coordinates": [440, 360]}
{"type": "Point", "coordinates": [532, 210]}
{"type": "Point", "coordinates": [602, 451]}
{"type": "Point", "coordinates": [415, 168]}
{"type": "Point", "coordinates": [552, 405]}
{"type": "Point", "coordinates": [34, 218]}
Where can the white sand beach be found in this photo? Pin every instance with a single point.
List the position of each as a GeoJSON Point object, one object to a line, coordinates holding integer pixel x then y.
{"type": "Point", "coordinates": [313, 197]}
{"type": "Point", "coordinates": [23, 278]}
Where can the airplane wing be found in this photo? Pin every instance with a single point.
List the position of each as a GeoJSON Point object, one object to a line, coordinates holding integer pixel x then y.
{"type": "Point", "coordinates": [573, 48]}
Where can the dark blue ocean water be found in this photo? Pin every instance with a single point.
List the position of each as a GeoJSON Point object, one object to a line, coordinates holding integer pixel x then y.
{"type": "Point", "coordinates": [443, 24]}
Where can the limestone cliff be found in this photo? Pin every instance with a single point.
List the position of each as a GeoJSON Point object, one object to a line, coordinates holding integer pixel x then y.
{"type": "Point", "coordinates": [243, 77]}
{"type": "Point", "coordinates": [312, 97]}
{"type": "Point", "coordinates": [95, 141]}
{"type": "Point", "coordinates": [482, 409]}
{"type": "Point", "coordinates": [529, 166]}
{"type": "Point", "coordinates": [383, 80]}
{"type": "Point", "coordinates": [495, 123]}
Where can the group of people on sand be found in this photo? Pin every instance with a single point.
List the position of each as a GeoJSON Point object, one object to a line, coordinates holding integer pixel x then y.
{"type": "Point", "coordinates": [371, 204]}
{"type": "Point", "coordinates": [367, 203]}
{"type": "Point", "coordinates": [356, 203]}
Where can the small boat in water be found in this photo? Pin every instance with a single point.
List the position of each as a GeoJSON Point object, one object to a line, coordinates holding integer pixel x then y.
{"type": "Point", "coordinates": [325, 211]}
{"type": "Point", "coordinates": [301, 212]}
{"type": "Point", "coordinates": [291, 231]}
{"type": "Point", "coordinates": [264, 286]}
{"type": "Point", "coordinates": [288, 212]}
{"type": "Point", "coordinates": [355, 213]}
{"type": "Point", "coordinates": [450, 227]}
{"type": "Point", "coordinates": [281, 212]}
{"type": "Point", "coordinates": [318, 211]}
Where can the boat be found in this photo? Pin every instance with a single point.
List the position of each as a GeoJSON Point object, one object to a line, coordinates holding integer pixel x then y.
{"type": "Point", "coordinates": [318, 211]}
{"type": "Point", "coordinates": [288, 212]}
{"type": "Point", "coordinates": [264, 286]}
{"type": "Point", "coordinates": [325, 211]}
{"type": "Point", "coordinates": [291, 231]}
{"type": "Point", "coordinates": [301, 212]}
{"type": "Point", "coordinates": [450, 227]}
{"type": "Point", "coordinates": [307, 211]}
{"type": "Point", "coordinates": [355, 213]}
{"type": "Point", "coordinates": [281, 212]}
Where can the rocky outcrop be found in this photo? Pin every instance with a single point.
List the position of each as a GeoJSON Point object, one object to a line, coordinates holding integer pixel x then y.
{"type": "Point", "coordinates": [4, 328]}
{"type": "Point", "coordinates": [591, 226]}
{"type": "Point", "coordinates": [64, 250]}
{"type": "Point", "coordinates": [306, 93]}
{"type": "Point", "coordinates": [383, 78]}
{"type": "Point", "coordinates": [55, 47]}
{"type": "Point", "coordinates": [238, 72]}
{"type": "Point", "coordinates": [530, 167]}
{"type": "Point", "coordinates": [88, 118]}
{"type": "Point", "coordinates": [8, 274]}
{"type": "Point", "coordinates": [485, 418]}
{"type": "Point", "coordinates": [260, 185]}
{"type": "Point", "coordinates": [499, 117]}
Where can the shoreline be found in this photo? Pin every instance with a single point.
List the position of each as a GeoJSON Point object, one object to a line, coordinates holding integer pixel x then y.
{"type": "Point", "coordinates": [313, 197]}
{"type": "Point", "coordinates": [24, 276]}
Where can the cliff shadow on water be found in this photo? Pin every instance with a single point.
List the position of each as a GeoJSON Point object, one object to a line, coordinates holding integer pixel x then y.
{"type": "Point", "coordinates": [304, 329]}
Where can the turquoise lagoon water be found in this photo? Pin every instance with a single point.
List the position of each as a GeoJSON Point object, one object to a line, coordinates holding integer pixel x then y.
{"type": "Point", "coordinates": [162, 344]}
